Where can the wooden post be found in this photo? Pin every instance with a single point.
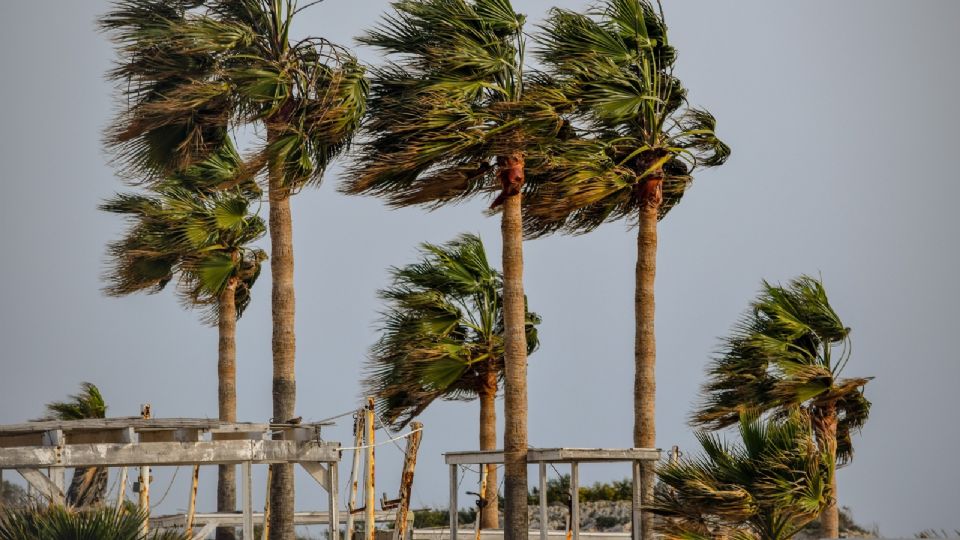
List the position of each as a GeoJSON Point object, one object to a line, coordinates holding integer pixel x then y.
{"type": "Point", "coordinates": [453, 502]}
{"type": "Point", "coordinates": [144, 492]}
{"type": "Point", "coordinates": [637, 502]}
{"type": "Point", "coordinates": [575, 499]}
{"type": "Point", "coordinates": [481, 509]}
{"type": "Point", "coordinates": [544, 522]}
{"type": "Point", "coordinates": [369, 486]}
{"type": "Point", "coordinates": [358, 431]}
{"type": "Point", "coordinates": [266, 506]}
{"type": "Point", "coordinates": [192, 509]}
{"type": "Point", "coordinates": [122, 490]}
{"type": "Point", "coordinates": [246, 469]}
{"type": "Point", "coordinates": [334, 504]}
{"type": "Point", "coordinates": [406, 480]}
{"type": "Point", "coordinates": [56, 474]}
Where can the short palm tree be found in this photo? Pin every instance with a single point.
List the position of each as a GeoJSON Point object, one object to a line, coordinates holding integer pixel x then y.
{"type": "Point", "coordinates": [449, 119]}
{"type": "Point", "coordinates": [442, 337]}
{"type": "Point", "coordinates": [89, 484]}
{"type": "Point", "coordinates": [204, 241]}
{"type": "Point", "coordinates": [765, 488]}
{"type": "Point", "coordinates": [190, 70]}
{"type": "Point", "coordinates": [780, 358]}
{"type": "Point", "coordinates": [631, 145]}
{"type": "Point", "coordinates": [59, 523]}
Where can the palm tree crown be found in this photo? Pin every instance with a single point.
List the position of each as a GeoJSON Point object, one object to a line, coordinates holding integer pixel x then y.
{"type": "Point", "coordinates": [631, 141]}
{"type": "Point", "coordinates": [442, 331]}
{"type": "Point", "coordinates": [766, 488]}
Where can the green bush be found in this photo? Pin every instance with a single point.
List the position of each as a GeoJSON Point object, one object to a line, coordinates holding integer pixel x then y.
{"type": "Point", "coordinates": [60, 523]}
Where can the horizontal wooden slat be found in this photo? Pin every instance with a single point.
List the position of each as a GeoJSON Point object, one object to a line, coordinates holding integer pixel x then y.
{"type": "Point", "coordinates": [300, 518]}
{"type": "Point", "coordinates": [168, 453]}
{"type": "Point", "coordinates": [556, 455]}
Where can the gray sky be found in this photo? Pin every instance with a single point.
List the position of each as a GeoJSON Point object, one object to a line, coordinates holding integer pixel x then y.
{"type": "Point", "coordinates": [842, 117]}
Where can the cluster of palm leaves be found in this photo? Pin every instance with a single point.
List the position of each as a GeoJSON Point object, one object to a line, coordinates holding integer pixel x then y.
{"type": "Point", "coordinates": [60, 523]}
{"type": "Point", "coordinates": [88, 487]}
{"type": "Point", "coordinates": [767, 487]}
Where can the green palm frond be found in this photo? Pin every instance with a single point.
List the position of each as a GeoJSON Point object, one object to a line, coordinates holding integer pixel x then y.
{"type": "Point", "coordinates": [60, 523]}
{"type": "Point", "coordinates": [788, 351]}
{"type": "Point", "coordinates": [442, 330]}
{"type": "Point", "coordinates": [88, 403]}
{"type": "Point", "coordinates": [191, 69]}
{"type": "Point", "coordinates": [613, 68]}
{"type": "Point", "coordinates": [765, 488]}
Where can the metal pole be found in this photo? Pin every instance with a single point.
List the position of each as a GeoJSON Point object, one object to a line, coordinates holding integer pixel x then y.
{"type": "Point", "coordinates": [544, 523]}
{"type": "Point", "coordinates": [453, 502]}
{"type": "Point", "coordinates": [637, 505]}
{"type": "Point", "coordinates": [368, 487]}
{"type": "Point", "coordinates": [575, 499]}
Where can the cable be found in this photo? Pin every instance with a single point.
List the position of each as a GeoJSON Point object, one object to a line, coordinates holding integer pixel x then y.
{"type": "Point", "coordinates": [170, 485]}
{"type": "Point", "coordinates": [404, 436]}
{"type": "Point", "coordinates": [383, 426]}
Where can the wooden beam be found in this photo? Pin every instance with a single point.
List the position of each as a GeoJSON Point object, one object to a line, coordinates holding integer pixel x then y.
{"type": "Point", "coordinates": [247, 472]}
{"type": "Point", "coordinates": [544, 522]}
{"type": "Point", "coordinates": [556, 455]}
{"type": "Point", "coordinates": [453, 502]}
{"type": "Point", "coordinates": [234, 519]}
{"type": "Point", "coordinates": [636, 505]}
{"type": "Point", "coordinates": [122, 488]}
{"type": "Point", "coordinates": [192, 507]}
{"type": "Point", "coordinates": [318, 472]}
{"type": "Point", "coordinates": [575, 499]}
{"type": "Point", "coordinates": [170, 453]}
{"type": "Point", "coordinates": [369, 490]}
{"type": "Point", "coordinates": [406, 479]}
{"type": "Point", "coordinates": [205, 532]}
{"type": "Point", "coordinates": [333, 502]}
{"type": "Point", "coordinates": [43, 484]}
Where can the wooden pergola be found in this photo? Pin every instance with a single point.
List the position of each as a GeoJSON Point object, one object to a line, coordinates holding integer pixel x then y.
{"type": "Point", "coordinates": [41, 451]}
{"type": "Point", "coordinates": [544, 456]}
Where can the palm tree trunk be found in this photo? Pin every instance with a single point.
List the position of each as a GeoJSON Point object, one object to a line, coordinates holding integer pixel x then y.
{"type": "Point", "coordinates": [284, 347]}
{"type": "Point", "coordinates": [515, 348]}
{"type": "Point", "coordinates": [489, 513]}
{"type": "Point", "coordinates": [645, 344]}
{"type": "Point", "coordinates": [827, 436]}
{"type": "Point", "coordinates": [227, 398]}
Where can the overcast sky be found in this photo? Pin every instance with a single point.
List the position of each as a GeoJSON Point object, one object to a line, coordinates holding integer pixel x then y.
{"type": "Point", "coordinates": [843, 121]}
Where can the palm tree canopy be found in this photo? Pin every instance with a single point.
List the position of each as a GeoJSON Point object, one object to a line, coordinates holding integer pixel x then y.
{"type": "Point", "coordinates": [781, 356]}
{"type": "Point", "coordinates": [442, 330]}
{"type": "Point", "coordinates": [765, 488]}
{"type": "Point", "coordinates": [629, 132]}
{"type": "Point", "coordinates": [191, 68]}
{"type": "Point", "coordinates": [203, 239]}
{"type": "Point", "coordinates": [449, 102]}
{"type": "Point", "coordinates": [88, 403]}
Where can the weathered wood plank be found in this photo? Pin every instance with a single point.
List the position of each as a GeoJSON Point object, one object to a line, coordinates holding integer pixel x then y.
{"type": "Point", "coordinates": [556, 455]}
{"type": "Point", "coordinates": [47, 487]}
{"type": "Point", "coordinates": [169, 453]}
{"type": "Point", "coordinates": [236, 519]}
{"type": "Point", "coordinates": [319, 473]}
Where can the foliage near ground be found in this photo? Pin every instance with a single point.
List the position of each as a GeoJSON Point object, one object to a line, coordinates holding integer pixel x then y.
{"type": "Point", "coordinates": [61, 523]}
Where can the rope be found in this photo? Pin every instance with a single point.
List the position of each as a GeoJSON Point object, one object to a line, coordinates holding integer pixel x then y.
{"type": "Point", "coordinates": [404, 436]}
{"type": "Point", "coordinates": [385, 428]}
{"type": "Point", "coordinates": [170, 485]}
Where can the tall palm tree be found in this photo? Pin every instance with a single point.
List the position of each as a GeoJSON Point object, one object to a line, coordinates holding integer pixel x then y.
{"type": "Point", "coordinates": [443, 338]}
{"type": "Point", "coordinates": [765, 488]}
{"type": "Point", "coordinates": [449, 119]}
{"type": "Point", "coordinates": [630, 147]}
{"type": "Point", "coordinates": [780, 357]}
{"type": "Point", "coordinates": [89, 484]}
{"type": "Point", "coordinates": [203, 240]}
{"type": "Point", "coordinates": [193, 68]}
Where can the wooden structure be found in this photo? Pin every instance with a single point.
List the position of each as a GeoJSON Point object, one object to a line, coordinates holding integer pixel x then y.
{"type": "Point", "coordinates": [53, 446]}
{"type": "Point", "coordinates": [544, 456]}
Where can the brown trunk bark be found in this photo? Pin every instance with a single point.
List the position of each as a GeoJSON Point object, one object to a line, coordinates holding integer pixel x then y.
{"type": "Point", "coordinates": [645, 344]}
{"type": "Point", "coordinates": [284, 348]}
{"type": "Point", "coordinates": [227, 399]}
{"type": "Point", "coordinates": [827, 437]}
{"type": "Point", "coordinates": [489, 513]}
{"type": "Point", "coordinates": [515, 357]}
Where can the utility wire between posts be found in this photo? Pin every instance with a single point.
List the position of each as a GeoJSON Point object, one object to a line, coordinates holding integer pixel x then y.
{"type": "Point", "coordinates": [165, 493]}
{"type": "Point", "coordinates": [403, 436]}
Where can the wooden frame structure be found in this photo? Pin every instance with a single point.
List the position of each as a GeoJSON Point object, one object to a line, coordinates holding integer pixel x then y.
{"type": "Point", "coordinates": [141, 442]}
{"type": "Point", "coordinates": [544, 456]}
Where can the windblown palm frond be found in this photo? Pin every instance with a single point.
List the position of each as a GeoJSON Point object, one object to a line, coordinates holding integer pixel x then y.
{"type": "Point", "coordinates": [442, 332]}
{"type": "Point", "coordinates": [631, 135]}
{"type": "Point", "coordinates": [780, 356]}
{"type": "Point", "coordinates": [203, 240]}
{"type": "Point", "coordinates": [767, 487]}
{"type": "Point", "coordinates": [448, 104]}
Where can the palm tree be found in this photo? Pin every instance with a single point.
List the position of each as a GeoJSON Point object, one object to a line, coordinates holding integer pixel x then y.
{"type": "Point", "coordinates": [193, 68]}
{"type": "Point", "coordinates": [443, 338]}
{"type": "Point", "coordinates": [766, 488]}
{"type": "Point", "coordinates": [631, 145]}
{"type": "Point", "coordinates": [89, 484]}
{"type": "Point", "coordinates": [60, 523]}
{"type": "Point", "coordinates": [203, 240]}
{"type": "Point", "coordinates": [780, 358]}
{"type": "Point", "coordinates": [448, 119]}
